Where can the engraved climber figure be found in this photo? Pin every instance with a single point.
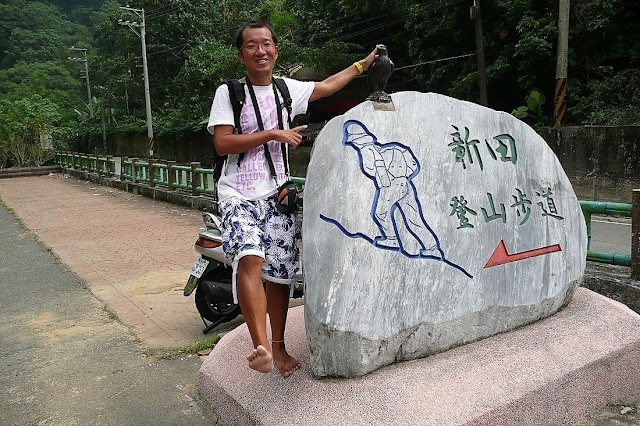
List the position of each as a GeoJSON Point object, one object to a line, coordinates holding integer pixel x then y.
{"type": "Point", "coordinates": [392, 166]}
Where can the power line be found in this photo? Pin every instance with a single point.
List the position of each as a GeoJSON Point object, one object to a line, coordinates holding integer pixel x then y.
{"type": "Point", "coordinates": [163, 10]}
{"type": "Point", "coordinates": [160, 8]}
{"type": "Point", "coordinates": [397, 69]}
{"type": "Point", "coordinates": [171, 12]}
{"type": "Point", "coordinates": [181, 83]}
{"type": "Point", "coordinates": [168, 49]}
{"type": "Point", "coordinates": [353, 34]}
{"type": "Point", "coordinates": [409, 11]}
{"type": "Point", "coordinates": [378, 26]}
{"type": "Point", "coordinates": [436, 60]}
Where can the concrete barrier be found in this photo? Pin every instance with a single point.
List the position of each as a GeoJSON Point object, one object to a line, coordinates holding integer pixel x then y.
{"type": "Point", "coordinates": [28, 171]}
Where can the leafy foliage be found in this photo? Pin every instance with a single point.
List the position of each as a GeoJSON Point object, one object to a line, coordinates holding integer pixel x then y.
{"type": "Point", "coordinates": [533, 109]}
{"type": "Point", "coordinates": [25, 125]}
{"type": "Point", "coordinates": [191, 50]}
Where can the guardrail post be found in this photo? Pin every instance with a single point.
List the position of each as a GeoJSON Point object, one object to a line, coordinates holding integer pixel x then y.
{"type": "Point", "coordinates": [108, 165]}
{"type": "Point", "coordinates": [171, 174]}
{"type": "Point", "coordinates": [152, 172]}
{"type": "Point", "coordinates": [196, 178]}
{"type": "Point", "coordinates": [134, 169]}
{"type": "Point", "coordinates": [635, 235]}
{"type": "Point", "coordinates": [123, 168]}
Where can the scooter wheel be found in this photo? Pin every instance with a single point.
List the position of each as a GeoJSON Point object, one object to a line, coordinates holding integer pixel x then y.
{"type": "Point", "coordinates": [215, 311]}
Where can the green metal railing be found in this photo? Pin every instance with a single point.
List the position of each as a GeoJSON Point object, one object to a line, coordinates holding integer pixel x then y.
{"type": "Point", "coordinates": [208, 186]}
{"type": "Point", "coordinates": [102, 165]}
{"type": "Point", "coordinates": [169, 175]}
{"type": "Point", "coordinates": [164, 174]}
{"type": "Point", "coordinates": [160, 174]}
{"type": "Point", "coordinates": [607, 209]}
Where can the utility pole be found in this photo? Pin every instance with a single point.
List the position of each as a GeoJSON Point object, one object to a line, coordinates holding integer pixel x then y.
{"type": "Point", "coordinates": [134, 26]}
{"type": "Point", "coordinates": [560, 98]}
{"type": "Point", "coordinates": [104, 128]}
{"type": "Point", "coordinates": [482, 74]}
{"type": "Point", "coordinates": [86, 74]}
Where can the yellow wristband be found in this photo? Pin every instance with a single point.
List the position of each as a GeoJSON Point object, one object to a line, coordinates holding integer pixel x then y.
{"type": "Point", "coordinates": [358, 67]}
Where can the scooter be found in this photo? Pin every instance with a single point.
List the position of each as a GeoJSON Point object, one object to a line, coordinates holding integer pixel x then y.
{"type": "Point", "coordinates": [211, 278]}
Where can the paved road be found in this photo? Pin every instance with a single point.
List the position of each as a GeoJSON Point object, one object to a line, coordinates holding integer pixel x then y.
{"type": "Point", "coordinates": [134, 253]}
{"type": "Point", "coordinates": [66, 360]}
{"type": "Point", "coordinates": [611, 235]}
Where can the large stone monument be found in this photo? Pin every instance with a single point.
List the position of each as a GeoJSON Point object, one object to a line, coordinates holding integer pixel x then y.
{"type": "Point", "coordinates": [431, 226]}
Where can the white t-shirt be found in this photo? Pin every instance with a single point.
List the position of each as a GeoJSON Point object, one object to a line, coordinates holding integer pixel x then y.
{"type": "Point", "coordinates": [253, 179]}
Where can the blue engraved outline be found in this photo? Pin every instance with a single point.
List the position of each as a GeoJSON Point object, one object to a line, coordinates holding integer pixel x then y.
{"type": "Point", "coordinates": [393, 209]}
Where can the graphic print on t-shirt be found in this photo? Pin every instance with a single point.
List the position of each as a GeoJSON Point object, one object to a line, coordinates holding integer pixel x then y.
{"type": "Point", "coordinates": [254, 167]}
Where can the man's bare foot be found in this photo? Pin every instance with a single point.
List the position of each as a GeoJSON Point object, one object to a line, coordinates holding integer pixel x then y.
{"type": "Point", "coordinates": [285, 362]}
{"type": "Point", "coordinates": [260, 360]}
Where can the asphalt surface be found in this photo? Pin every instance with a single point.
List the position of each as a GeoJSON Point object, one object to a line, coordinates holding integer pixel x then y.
{"type": "Point", "coordinates": [611, 234]}
{"type": "Point", "coordinates": [66, 360]}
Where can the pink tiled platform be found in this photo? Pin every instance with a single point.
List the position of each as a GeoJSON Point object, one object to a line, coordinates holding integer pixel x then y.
{"type": "Point", "coordinates": [557, 371]}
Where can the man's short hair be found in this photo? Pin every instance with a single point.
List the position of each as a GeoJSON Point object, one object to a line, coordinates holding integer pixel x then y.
{"type": "Point", "coordinates": [254, 24]}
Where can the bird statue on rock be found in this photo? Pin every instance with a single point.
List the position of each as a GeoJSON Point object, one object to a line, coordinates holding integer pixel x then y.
{"type": "Point", "coordinates": [378, 74]}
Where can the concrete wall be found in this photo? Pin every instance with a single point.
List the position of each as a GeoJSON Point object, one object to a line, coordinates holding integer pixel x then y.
{"type": "Point", "coordinates": [602, 162]}
{"type": "Point", "coordinates": [195, 148]}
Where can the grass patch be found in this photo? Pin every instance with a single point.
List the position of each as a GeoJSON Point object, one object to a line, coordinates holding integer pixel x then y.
{"type": "Point", "coordinates": [194, 348]}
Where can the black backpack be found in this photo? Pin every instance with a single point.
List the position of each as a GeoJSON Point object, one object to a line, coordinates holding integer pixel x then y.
{"type": "Point", "coordinates": [237, 97]}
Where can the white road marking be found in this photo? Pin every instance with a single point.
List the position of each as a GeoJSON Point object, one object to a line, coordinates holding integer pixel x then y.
{"type": "Point", "coordinates": [612, 223]}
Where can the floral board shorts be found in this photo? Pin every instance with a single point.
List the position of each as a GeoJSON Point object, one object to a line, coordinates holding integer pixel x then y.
{"type": "Point", "coordinates": [258, 228]}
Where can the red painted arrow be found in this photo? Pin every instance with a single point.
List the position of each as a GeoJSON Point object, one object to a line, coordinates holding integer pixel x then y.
{"type": "Point", "coordinates": [500, 255]}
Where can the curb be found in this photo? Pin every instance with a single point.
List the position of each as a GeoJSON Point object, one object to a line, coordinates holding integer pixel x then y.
{"type": "Point", "coordinates": [613, 282]}
{"type": "Point", "coordinates": [29, 171]}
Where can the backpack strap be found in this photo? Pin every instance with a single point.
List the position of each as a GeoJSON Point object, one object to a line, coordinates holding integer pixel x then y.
{"type": "Point", "coordinates": [237, 98]}
{"type": "Point", "coordinates": [265, 146]}
{"type": "Point", "coordinates": [236, 95]}
{"type": "Point", "coordinates": [286, 102]}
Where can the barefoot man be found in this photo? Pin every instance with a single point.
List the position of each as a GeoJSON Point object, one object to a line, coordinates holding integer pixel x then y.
{"type": "Point", "coordinates": [261, 242]}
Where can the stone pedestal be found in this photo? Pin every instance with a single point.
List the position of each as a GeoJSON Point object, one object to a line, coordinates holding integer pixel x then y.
{"type": "Point", "coordinates": [557, 371]}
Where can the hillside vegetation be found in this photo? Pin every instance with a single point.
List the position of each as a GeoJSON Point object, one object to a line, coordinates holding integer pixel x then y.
{"type": "Point", "coordinates": [190, 48]}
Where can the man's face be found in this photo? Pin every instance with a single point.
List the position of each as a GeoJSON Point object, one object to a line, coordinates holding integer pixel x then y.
{"type": "Point", "coordinates": [258, 52]}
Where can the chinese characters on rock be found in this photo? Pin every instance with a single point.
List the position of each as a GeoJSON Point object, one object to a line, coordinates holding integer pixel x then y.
{"type": "Point", "coordinates": [467, 153]}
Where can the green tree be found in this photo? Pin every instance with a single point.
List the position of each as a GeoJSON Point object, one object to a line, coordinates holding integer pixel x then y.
{"type": "Point", "coordinates": [25, 127]}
